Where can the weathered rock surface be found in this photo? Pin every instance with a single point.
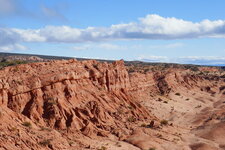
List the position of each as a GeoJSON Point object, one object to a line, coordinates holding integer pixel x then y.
{"type": "Point", "coordinates": [87, 96]}
{"type": "Point", "coordinates": [74, 104]}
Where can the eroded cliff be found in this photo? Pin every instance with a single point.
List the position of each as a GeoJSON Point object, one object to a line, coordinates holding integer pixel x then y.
{"type": "Point", "coordinates": [74, 104]}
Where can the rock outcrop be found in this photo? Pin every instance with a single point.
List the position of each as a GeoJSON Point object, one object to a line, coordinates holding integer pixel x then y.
{"type": "Point", "coordinates": [85, 96]}
{"type": "Point", "coordinates": [66, 104]}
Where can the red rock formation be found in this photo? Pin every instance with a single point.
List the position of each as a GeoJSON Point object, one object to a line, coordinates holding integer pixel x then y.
{"type": "Point", "coordinates": [84, 98]}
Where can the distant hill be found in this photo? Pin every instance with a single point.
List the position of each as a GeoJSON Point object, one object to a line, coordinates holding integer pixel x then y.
{"type": "Point", "coordinates": [35, 58]}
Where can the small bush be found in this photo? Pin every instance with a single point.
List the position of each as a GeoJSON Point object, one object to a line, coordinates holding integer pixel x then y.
{"type": "Point", "coordinates": [11, 63]}
{"type": "Point", "coordinates": [164, 122]}
{"type": "Point", "coordinates": [131, 119]}
{"type": "Point", "coordinates": [46, 142]}
{"type": "Point", "coordinates": [1, 114]}
{"type": "Point", "coordinates": [51, 101]}
{"type": "Point", "coordinates": [118, 144]}
{"type": "Point", "coordinates": [45, 129]}
{"type": "Point", "coordinates": [70, 143]}
{"type": "Point", "coordinates": [27, 124]}
{"type": "Point", "coordinates": [102, 148]}
{"type": "Point", "coordinates": [130, 107]}
{"type": "Point", "coordinates": [120, 111]}
{"type": "Point", "coordinates": [194, 68]}
{"type": "Point", "coordinates": [143, 125]}
{"type": "Point", "coordinates": [13, 129]}
{"type": "Point", "coordinates": [222, 88]}
{"type": "Point", "coordinates": [178, 94]}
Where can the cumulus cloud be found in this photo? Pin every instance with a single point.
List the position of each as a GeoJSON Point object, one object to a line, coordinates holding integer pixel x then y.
{"type": "Point", "coordinates": [151, 27]}
{"type": "Point", "coordinates": [8, 48]}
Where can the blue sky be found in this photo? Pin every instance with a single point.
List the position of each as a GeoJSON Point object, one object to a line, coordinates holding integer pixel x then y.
{"type": "Point", "coordinates": [182, 31]}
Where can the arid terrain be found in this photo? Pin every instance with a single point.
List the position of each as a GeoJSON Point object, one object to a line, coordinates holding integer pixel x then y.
{"type": "Point", "coordinates": [93, 105]}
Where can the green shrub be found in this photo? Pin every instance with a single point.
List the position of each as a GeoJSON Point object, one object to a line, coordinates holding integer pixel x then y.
{"type": "Point", "coordinates": [130, 107]}
{"type": "Point", "coordinates": [70, 143]}
{"type": "Point", "coordinates": [51, 101]}
{"type": "Point", "coordinates": [1, 114]}
{"type": "Point", "coordinates": [178, 94]}
{"type": "Point", "coordinates": [46, 142]}
{"type": "Point", "coordinates": [164, 122]}
{"type": "Point", "coordinates": [11, 63]}
{"type": "Point", "coordinates": [102, 148]}
{"type": "Point", "coordinates": [27, 124]}
{"type": "Point", "coordinates": [45, 129]}
{"type": "Point", "coordinates": [194, 68]}
{"type": "Point", "coordinates": [143, 125]}
{"type": "Point", "coordinates": [131, 119]}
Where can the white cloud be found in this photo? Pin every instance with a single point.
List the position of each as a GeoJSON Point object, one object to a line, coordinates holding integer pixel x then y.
{"type": "Point", "coordinates": [81, 47]}
{"type": "Point", "coordinates": [166, 46]}
{"type": "Point", "coordinates": [150, 27]}
{"type": "Point", "coordinates": [174, 45]}
{"type": "Point", "coordinates": [27, 35]}
{"type": "Point", "coordinates": [202, 59]}
{"type": "Point", "coordinates": [8, 48]}
{"type": "Point", "coordinates": [105, 46]}
{"type": "Point", "coordinates": [152, 58]}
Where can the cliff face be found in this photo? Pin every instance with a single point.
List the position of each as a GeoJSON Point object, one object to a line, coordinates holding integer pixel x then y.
{"type": "Point", "coordinates": [84, 98]}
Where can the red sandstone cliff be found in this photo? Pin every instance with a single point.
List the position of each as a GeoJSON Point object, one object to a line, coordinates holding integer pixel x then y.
{"type": "Point", "coordinates": [89, 97]}
{"type": "Point", "coordinates": [54, 103]}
